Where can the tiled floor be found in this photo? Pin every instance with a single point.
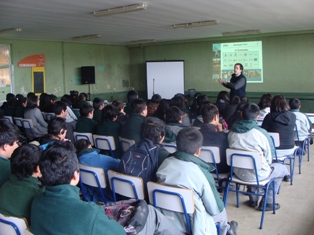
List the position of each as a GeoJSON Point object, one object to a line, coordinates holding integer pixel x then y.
{"type": "Point", "coordinates": [296, 215]}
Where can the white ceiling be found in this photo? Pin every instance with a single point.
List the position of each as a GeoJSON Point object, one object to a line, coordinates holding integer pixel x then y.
{"type": "Point", "coordinates": [60, 20]}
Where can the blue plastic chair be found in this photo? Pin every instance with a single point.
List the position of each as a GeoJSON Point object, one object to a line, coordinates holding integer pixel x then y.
{"type": "Point", "coordinates": [94, 177]}
{"type": "Point", "coordinates": [126, 185]}
{"type": "Point", "coordinates": [249, 160]}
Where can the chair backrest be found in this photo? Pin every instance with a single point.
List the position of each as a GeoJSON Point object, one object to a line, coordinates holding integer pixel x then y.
{"type": "Point", "coordinates": [210, 154]}
{"type": "Point", "coordinates": [28, 126]}
{"type": "Point", "coordinates": [10, 225]}
{"type": "Point", "coordinates": [48, 116]}
{"type": "Point", "coordinates": [8, 118]}
{"type": "Point", "coordinates": [170, 147]}
{"type": "Point", "coordinates": [105, 143]}
{"type": "Point", "coordinates": [172, 198]}
{"type": "Point", "coordinates": [126, 185]}
{"type": "Point", "coordinates": [260, 121]}
{"type": "Point", "coordinates": [18, 121]}
{"type": "Point", "coordinates": [93, 176]}
{"type": "Point", "coordinates": [244, 159]}
{"type": "Point", "coordinates": [126, 143]}
{"type": "Point", "coordinates": [275, 138]}
{"type": "Point", "coordinates": [87, 136]}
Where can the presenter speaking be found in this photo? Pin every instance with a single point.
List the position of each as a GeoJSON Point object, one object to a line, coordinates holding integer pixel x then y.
{"type": "Point", "coordinates": [237, 82]}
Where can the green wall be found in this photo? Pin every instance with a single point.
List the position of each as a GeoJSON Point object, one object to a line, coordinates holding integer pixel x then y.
{"type": "Point", "coordinates": [287, 61]}
{"type": "Point", "coordinates": [63, 62]}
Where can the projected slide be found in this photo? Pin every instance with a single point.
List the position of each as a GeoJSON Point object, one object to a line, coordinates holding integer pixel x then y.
{"type": "Point", "coordinates": [249, 54]}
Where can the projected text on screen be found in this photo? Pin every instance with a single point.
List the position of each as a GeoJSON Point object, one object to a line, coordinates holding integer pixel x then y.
{"type": "Point", "coordinates": [249, 54]}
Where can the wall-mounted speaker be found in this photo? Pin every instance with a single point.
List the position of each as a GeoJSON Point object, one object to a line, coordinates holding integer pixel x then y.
{"type": "Point", "coordinates": [88, 74]}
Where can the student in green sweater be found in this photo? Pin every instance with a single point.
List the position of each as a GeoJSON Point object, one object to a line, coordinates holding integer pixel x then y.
{"type": "Point", "coordinates": [98, 105]}
{"type": "Point", "coordinates": [86, 123]}
{"type": "Point", "coordinates": [59, 209]}
{"type": "Point", "coordinates": [17, 193]}
{"type": "Point", "coordinates": [9, 135]}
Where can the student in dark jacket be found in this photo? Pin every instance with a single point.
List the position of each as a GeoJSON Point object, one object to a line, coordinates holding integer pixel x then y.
{"type": "Point", "coordinates": [133, 126]}
{"type": "Point", "coordinates": [213, 134]}
{"type": "Point", "coordinates": [110, 127]}
{"type": "Point", "coordinates": [282, 121]}
{"type": "Point", "coordinates": [98, 105]}
{"type": "Point", "coordinates": [86, 124]}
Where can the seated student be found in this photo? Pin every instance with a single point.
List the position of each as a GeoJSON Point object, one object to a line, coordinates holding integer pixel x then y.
{"type": "Point", "coordinates": [305, 127]}
{"type": "Point", "coordinates": [71, 115]}
{"type": "Point", "coordinates": [86, 124]}
{"type": "Point", "coordinates": [152, 105]}
{"type": "Point", "coordinates": [60, 174]}
{"type": "Point", "coordinates": [264, 105]}
{"type": "Point", "coordinates": [57, 130]}
{"type": "Point", "coordinates": [9, 96]}
{"type": "Point", "coordinates": [81, 99]}
{"type": "Point", "coordinates": [201, 100]}
{"type": "Point", "coordinates": [59, 209]}
{"type": "Point", "coordinates": [133, 125]}
{"type": "Point", "coordinates": [21, 104]}
{"type": "Point", "coordinates": [33, 112]}
{"type": "Point", "coordinates": [17, 193]}
{"type": "Point", "coordinates": [179, 101]}
{"type": "Point", "coordinates": [9, 135]}
{"type": "Point", "coordinates": [161, 109]}
{"type": "Point", "coordinates": [60, 110]}
{"type": "Point", "coordinates": [110, 127]}
{"type": "Point", "coordinates": [10, 107]}
{"type": "Point", "coordinates": [232, 107]}
{"type": "Point", "coordinates": [247, 135]}
{"type": "Point", "coordinates": [91, 157]}
{"type": "Point", "coordinates": [132, 95]}
{"type": "Point", "coordinates": [98, 105]}
{"type": "Point", "coordinates": [121, 115]}
{"type": "Point", "coordinates": [213, 134]}
{"type": "Point", "coordinates": [174, 118]}
{"type": "Point", "coordinates": [197, 177]}
{"type": "Point", "coordinates": [138, 165]}
{"type": "Point", "coordinates": [222, 102]}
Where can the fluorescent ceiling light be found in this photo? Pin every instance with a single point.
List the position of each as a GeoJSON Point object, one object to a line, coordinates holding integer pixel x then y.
{"type": "Point", "coordinates": [118, 10]}
{"type": "Point", "coordinates": [86, 37]}
{"type": "Point", "coordinates": [196, 24]}
{"type": "Point", "coordinates": [254, 31]}
{"type": "Point", "coordinates": [141, 41]}
{"type": "Point", "coordinates": [9, 31]}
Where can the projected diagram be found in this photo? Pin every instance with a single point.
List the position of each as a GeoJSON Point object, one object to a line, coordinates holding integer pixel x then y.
{"type": "Point", "coordinates": [249, 54]}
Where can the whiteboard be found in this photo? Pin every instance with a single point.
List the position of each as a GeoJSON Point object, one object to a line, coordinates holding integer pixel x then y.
{"type": "Point", "coordinates": [165, 78]}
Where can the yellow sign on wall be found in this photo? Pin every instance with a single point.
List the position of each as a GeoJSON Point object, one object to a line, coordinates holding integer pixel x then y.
{"type": "Point", "coordinates": [38, 80]}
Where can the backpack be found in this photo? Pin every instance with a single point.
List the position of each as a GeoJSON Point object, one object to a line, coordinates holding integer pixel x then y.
{"type": "Point", "coordinates": [141, 160]}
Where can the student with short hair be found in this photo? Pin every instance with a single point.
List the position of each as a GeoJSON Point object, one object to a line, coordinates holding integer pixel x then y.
{"type": "Point", "coordinates": [121, 115]}
{"type": "Point", "coordinates": [57, 130]}
{"type": "Point", "coordinates": [305, 127]}
{"type": "Point", "coordinates": [110, 127]}
{"type": "Point", "coordinates": [153, 135]}
{"type": "Point", "coordinates": [86, 124]}
{"type": "Point", "coordinates": [132, 127]}
{"type": "Point", "coordinates": [213, 134]}
{"type": "Point", "coordinates": [131, 95]}
{"type": "Point", "coordinates": [9, 135]}
{"type": "Point", "coordinates": [60, 210]}
{"type": "Point", "coordinates": [17, 193]}
{"type": "Point", "coordinates": [209, 207]}
{"type": "Point", "coordinates": [60, 110]}
{"type": "Point", "coordinates": [246, 134]}
{"type": "Point", "coordinates": [98, 105]}
{"type": "Point", "coordinates": [174, 117]}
